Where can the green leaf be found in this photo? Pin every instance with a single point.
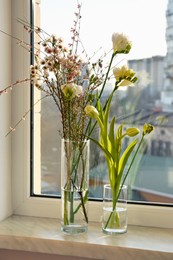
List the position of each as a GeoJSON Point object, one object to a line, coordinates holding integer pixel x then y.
{"type": "Point", "coordinates": [118, 142]}
{"type": "Point", "coordinates": [103, 126]}
{"type": "Point", "coordinates": [107, 153]}
{"type": "Point", "coordinates": [119, 132]}
{"type": "Point", "coordinates": [112, 147]}
{"type": "Point", "coordinates": [111, 130]}
{"type": "Point", "coordinates": [107, 109]}
{"type": "Point", "coordinates": [125, 157]}
{"type": "Point", "coordinates": [100, 110]}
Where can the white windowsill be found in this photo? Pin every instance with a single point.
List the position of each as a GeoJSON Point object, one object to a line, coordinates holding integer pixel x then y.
{"type": "Point", "coordinates": [43, 235]}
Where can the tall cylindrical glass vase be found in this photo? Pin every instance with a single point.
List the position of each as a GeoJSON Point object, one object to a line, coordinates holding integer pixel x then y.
{"type": "Point", "coordinates": [74, 185]}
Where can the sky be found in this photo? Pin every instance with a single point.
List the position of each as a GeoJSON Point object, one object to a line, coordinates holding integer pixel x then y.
{"type": "Point", "coordinates": [143, 21]}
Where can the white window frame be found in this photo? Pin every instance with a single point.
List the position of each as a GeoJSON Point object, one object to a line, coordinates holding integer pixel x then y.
{"type": "Point", "coordinates": [22, 203]}
{"type": "Point", "coordinates": [5, 112]}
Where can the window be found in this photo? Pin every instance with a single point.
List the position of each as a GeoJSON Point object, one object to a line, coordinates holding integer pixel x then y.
{"type": "Point", "coordinates": [149, 101]}
{"type": "Point", "coordinates": [22, 202]}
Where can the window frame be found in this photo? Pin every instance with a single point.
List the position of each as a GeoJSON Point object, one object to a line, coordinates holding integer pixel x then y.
{"type": "Point", "coordinates": [22, 201]}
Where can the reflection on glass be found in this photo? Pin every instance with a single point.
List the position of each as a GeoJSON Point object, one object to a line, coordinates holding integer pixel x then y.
{"type": "Point", "coordinates": [151, 100]}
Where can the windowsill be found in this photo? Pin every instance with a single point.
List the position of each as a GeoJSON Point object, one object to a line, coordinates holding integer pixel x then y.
{"type": "Point", "coordinates": [43, 235]}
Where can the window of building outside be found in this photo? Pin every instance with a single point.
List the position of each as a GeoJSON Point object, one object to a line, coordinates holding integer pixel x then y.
{"type": "Point", "coordinates": [149, 25]}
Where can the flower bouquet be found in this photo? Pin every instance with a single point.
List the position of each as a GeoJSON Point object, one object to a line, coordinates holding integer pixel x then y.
{"type": "Point", "coordinates": [74, 85]}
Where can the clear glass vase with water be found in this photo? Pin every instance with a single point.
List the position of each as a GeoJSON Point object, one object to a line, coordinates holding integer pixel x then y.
{"type": "Point", "coordinates": [114, 219]}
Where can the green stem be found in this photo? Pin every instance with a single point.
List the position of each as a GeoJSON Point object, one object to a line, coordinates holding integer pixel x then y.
{"type": "Point", "coordinates": [131, 162]}
{"type": "Point", "coordinates": [83, 206]}
{"type": "Point", "coordinates": [69, 123]}
{"type": "Point", "coordinates": [107, 223]}
{"type": "Point", "coordinates": [85, 199]}
{"type": "Point", "coordinates": [71, 206]}
{"type": "Point", "coordinates": [101, 92]}
{"type": "Point", "coordinates": [113, 209]}
{"type": "Point", "coordinates": [71, 185]}
{"type": "Point", "coordinates": [83, 170]}
{"type": "Point", "coordinates": [66, 222]}
{"type": "Point", "coordinates": [82, 188]}
{"type": "Point", "coordinates": [110, 217]}
{"type": "Point", "coordinates": [107, 74]}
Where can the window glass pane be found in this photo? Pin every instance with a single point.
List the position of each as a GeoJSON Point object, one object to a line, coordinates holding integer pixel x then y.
{"type": "Point", "coordinates": [149, 25]}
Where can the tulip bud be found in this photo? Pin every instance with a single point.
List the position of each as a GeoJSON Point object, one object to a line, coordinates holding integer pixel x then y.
{"type": "Point", "coordinates": [132, 131]}
{"type": "Point", "coordinates": [91, 111]}
{"type": "Point", "coordinates": [147, 129]}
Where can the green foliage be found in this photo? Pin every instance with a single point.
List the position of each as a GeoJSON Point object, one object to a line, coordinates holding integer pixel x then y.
{"type": "Point", "coordinates": [111, 145]}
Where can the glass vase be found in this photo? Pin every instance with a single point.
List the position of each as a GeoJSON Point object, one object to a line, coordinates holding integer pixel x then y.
{"type": "Point", "coordinates": [114, 219]}
{"type": "Point", "coordinates": [74, 186]}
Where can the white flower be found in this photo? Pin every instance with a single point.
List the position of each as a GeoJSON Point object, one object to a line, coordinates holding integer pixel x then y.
{"type": "Point", "coordinates": [120, 72]}
{"type": "Point", "coordinates": [125, 83]}
{"type": "Point", "coordinates": [121, 44]}
{"type": "Point", "coordinates": [79, 90]}
{"type": "Point", "coordinates": [71, 90]}
{"type": "Point", "coordinates": [124, 76]}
